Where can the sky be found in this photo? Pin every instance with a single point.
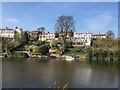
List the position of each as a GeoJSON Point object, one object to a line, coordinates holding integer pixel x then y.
{"type": "Point", "coordinates": [94, 17]}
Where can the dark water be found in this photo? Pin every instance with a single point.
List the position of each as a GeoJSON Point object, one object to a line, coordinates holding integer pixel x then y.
{"type": "Point", "coordinates": [36, 73]}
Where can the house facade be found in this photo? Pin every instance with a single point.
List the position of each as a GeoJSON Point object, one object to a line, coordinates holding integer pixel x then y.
{"type": "Point", "coordinates": [18, 31]}
{"type": "Point", "coordinates": [83, 38]}
{"type": "Point", "coordinates": [7, 33]}
{"type": "Point", "coordinates": [34, 35]}
{"type": "Point", "coordinates": [48, 37]}
{"type": "Point", "coordinates": [10, 33]}
{"type": "Point", "coordinates": [68, 35]}
{"type": "Point", "coordinates": [99, 36]}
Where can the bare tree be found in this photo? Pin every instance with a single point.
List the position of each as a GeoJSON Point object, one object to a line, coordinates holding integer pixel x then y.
{"type": "Point", "coordinates": [110, 34]}
{"type": "Point", "coordinates": [64, 25]}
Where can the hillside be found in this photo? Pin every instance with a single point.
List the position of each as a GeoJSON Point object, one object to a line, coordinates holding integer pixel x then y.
{"type": "Point", "coordinates": [106, 44]}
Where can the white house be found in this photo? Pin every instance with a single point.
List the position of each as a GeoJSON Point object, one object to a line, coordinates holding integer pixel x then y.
{"type": "Point", "coordinates": [84, 38]}
{"type": "Point", "coordinates": [7, 33]}
{"type": "Point", "coordinates": [18, 30]}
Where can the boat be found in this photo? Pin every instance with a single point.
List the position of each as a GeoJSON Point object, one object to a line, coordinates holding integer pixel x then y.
{"type": "Point", "coordinates": [70, 57]}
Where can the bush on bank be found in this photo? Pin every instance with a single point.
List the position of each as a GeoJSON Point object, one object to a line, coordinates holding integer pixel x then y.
{"type": "Point", "coordinates": [103, 55]}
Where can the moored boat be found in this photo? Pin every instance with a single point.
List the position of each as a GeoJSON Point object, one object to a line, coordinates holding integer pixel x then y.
{"type": "Point", "coordinates": [70, 57]}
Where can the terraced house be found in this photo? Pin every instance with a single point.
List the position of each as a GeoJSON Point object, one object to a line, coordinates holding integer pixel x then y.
{"type": "Point", "coordinates": [48, 37]}
{"type": "Point", "coordinates": [99, 36]}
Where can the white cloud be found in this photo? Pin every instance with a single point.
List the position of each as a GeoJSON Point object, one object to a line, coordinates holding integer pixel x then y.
{"type": "Point", "coordinates": [107, 17]}
{"type": "Point", "coordinates": [11, 20]}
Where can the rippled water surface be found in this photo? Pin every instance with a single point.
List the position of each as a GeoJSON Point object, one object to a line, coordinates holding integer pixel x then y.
{"type": "Point", "coordinates": [36, 73]}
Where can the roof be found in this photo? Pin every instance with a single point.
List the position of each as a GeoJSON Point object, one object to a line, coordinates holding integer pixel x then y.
{"type": "Point", "coordinates": [99, 35]}
{"type": "Point", "coordinates": [6, 29]}
{"type": "Point", "coordinates": [84, 33]}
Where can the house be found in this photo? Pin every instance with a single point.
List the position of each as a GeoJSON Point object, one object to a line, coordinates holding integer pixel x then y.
{"type": "Point", "coordinates": [10, 33]}
{"type": "Point", "coordinates": [48, 37]}
{"type": "Point", "coordinates": [7, 33]}
{"type": "Point", "coordinates": [68, 35]}
{"type": "Point", "coordinates": [83, 38]}
{"type": "Point", "coordinates": [34, 35]}
{"type": "Point", "coordinates": [18, 31]}
{"type": "Point", "coordinates": [99, 36]}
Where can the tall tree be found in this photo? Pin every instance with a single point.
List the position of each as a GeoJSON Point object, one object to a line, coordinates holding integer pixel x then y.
{"type": "Point", "coordinates": [17, 38]}
{"type": "Point", "coordinates": [110, 34]}
{"type": "Point", "coordinates": [64, 25]}
{"type": "Point", "coordinates": [25, 37]}
{"type": "Point", "coordinates": [41, 30]}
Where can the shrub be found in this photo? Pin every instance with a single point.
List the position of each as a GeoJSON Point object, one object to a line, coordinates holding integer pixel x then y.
{"type": "Point", "coordinates": [44, 49]}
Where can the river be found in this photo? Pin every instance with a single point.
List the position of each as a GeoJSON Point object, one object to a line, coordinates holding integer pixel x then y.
{"type": "Point", "coordinates": [39, 73]}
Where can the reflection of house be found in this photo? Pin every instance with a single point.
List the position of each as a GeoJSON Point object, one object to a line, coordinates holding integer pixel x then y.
{"type": "Point", "coordinates": [99, 36]}
{"type": "Point", "coordinates": [84, 38]}
{"type": "Point", "coordinates": [34, 35]}
{"type": "Point", "coordinates": [48, 37]}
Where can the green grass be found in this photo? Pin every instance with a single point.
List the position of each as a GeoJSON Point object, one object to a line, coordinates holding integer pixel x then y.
{"type": "Point", "coordinates": [74, 52]}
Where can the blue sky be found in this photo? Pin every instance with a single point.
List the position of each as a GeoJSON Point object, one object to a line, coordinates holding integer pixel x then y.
{"type": "Point", "coordinates": [92, 17]}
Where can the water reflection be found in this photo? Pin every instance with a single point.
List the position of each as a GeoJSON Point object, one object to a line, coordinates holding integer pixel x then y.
{"type": "Point", "coordinates": [40, 73]}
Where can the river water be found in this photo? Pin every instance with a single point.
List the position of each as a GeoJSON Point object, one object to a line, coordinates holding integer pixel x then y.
{"type": "Point", "coordinates": [39, 73]}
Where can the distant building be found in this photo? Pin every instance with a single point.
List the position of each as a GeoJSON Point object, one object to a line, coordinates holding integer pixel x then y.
{"type": "Point", "coordinates": [34, 35]}
{"type": "Point", "coordinates": [10, 33]}
{"type": "Point", "coordinates": [99, 36]}
{"type": "Point", "coordinates": [48, 37]}
{"type": "Point", "coordinates": [67, 35]}
{"type": "Point", "coordinates": [7, 33]}
{"type": "Point", "coordinates": [83, 38]}
{"type": "Point", "coordinates": [18, 31]}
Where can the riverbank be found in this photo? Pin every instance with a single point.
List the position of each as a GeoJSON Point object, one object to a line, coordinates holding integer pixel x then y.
{"type": "Point", "coordinates": [96, 51]}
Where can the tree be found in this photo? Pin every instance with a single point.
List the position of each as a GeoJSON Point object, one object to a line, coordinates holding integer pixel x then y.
{"type": "Point", "coordinates": [17, 39]}
{"type": "Point", "coordinates": [7, 45]}
{"type": "Point", "coordinates": [110, 34]}
{"type": "Point", "coordinates": [56, 35]}
{"type": "Point", "coordinates": [44, 49]}
{"type": "Point", "coordinates": [89, 54]}
{"type": "Point", "coordinates": [25, 37]}
{"type": "Point", "coordinates": [64, 25]}
{"type": "Point", "coordinates": [41, 30]}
